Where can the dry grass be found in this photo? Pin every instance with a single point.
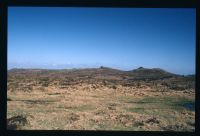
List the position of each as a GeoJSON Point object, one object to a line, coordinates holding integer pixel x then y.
{"type": "Point", "coordinates": [97, 106]}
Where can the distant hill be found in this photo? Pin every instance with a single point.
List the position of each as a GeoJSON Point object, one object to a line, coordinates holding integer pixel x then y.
{"type": "Point", "coordinates": [154, 73]}
{"type": "Point", "coordinates": [101, 72]}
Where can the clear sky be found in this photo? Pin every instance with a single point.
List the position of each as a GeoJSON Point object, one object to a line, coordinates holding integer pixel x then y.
{"type": "Point", "coordinates": [123, 38]}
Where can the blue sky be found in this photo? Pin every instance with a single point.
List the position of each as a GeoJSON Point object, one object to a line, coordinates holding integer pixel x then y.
{"type": "Point", "coordinates": [123, 38]}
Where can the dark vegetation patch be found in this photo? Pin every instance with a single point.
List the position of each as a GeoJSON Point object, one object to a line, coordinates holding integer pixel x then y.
{"type": "Point", "coordinates": [177, 127]}
{"type": "Point", "coordinates": [16, 122]}
{"type": "Point", "coordinates": [191, 123]}
{"type": "Point", "coordinates": [54, 93]}
{"type": "Point", "coordinates": [153, 105]}
{"type": "Point", "coordinates": [43, 81]}
{"type": "Point", "coordinates": [179, 83]}
{"type": "Point", "coordinates": [139, 123]}
{"type": "Point", "coordinates": [9, 99]}
{"type": "Point", "coordinates": [72, 117]}
{"type": "Point", "coordinates": [189, 106]}
{"type": "Point", "coordinates": [124, 118]}
{"type": "Point", "coordinates": [38, 101]}
{"type": "Point", "coordinates": [153, 120]}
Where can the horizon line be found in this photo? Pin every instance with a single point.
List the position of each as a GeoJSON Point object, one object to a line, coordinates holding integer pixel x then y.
{"type": "Point", "coordinates": [37, 68]}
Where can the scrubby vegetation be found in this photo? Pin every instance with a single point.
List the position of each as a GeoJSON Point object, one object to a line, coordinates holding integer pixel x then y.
{"type": "Point", "coordinates": [100, 99]}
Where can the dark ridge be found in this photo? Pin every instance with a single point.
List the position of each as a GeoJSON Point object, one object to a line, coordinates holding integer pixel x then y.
{"type": "Point", "coordinates": [140, 68]}
{"type": "Point", "coordinates": [101, 72]}
{"type": "Point", "coordinates": [108, 68]}
{"type": "Point", "coordinates": [154, 73]}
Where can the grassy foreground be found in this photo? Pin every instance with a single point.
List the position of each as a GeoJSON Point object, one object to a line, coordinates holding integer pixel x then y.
{"type": "Point", "coordinates": [100, 99]}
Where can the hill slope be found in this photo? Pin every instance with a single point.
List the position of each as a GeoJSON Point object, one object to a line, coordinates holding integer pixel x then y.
{"type": "Point", "coordinates": [98, 73]}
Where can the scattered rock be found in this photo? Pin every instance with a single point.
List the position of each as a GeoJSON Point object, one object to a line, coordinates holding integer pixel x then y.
{"type": "Point", "coordinates": [153, 121]}
{"type": "Point", "coordinates": [111, 108]}
{"type": "Point", "coordinates": [100, 112]}
{"type": "Point", "coordinates": [114, 87]}
{"type": "Point", "coordinates": [139, 123]}
{"type": "Point", "coordinates": [9, 99]}
{"type": "Point", "coordinates": [73, 117]}
{"type": "Point", "coordinates": [124, 118]}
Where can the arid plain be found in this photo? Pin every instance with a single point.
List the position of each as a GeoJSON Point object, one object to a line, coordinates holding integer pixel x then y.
{"type": "Point", "coordinates": [100, 99]}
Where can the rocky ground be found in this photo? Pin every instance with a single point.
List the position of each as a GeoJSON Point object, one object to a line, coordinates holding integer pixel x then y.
{"type": "Point", "coordinates": [100, 99]}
